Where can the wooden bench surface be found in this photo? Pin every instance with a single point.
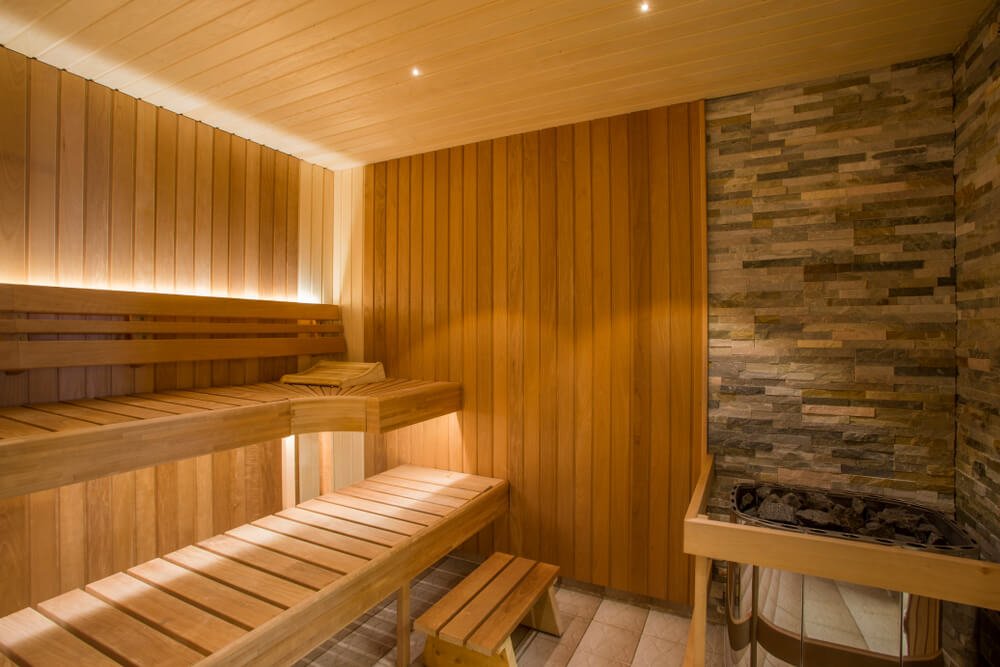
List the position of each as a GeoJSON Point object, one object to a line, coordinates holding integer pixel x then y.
{"type": "Point", "coordinates": [49, 445]}
{"type": "Point", "coordinates": [268, 591]}
{"type": "Point", "coordinates": [481, 612]}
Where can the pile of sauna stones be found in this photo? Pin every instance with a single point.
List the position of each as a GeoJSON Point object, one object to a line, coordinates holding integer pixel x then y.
{"type": "Point", "coordinates": [813, 509]}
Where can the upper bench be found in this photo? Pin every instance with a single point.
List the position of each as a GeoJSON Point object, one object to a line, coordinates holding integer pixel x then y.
{"type": "Point", "coordinates": [49, 445]}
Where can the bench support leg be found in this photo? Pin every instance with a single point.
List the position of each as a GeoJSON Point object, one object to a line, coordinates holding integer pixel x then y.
{"type": "Point", "coordinates": [403, 627]}
{"type": "Point", "coordinates": [441, 653]}
{"type": "Point", "coordinates": [544, 615]}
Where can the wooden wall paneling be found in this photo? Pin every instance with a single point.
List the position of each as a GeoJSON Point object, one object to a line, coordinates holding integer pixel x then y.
{"type": "Point", "coordinates": [572, 329]}
{"type": "Point", "coordinates": [499, 327]}
{"type": "Point", "coordinates": [72, 536]}
{"type": "Point", "coordinates": [398, 441]}
{"type": "Point", "coordinates": [13, 162]}
{"type": "Point", "coordinates": [123, 174]}
{"type": "Point", "coordinates": [43, 535]}
{"type": "Point", "coordinates": [411, 440]}
{"type": "Point", "coordinates": [251, 222]}
{"type": "Point", "coordinates": [291, 229]}
{"type": "Point", "coordinates": [98, 189]}
{"type": "Point", "coordinates": [122, 522]}
{"type": "Point", "coordinates": [602, 351]}
{"type": "Point", "coordinates": [43, 166]}
{"type": "Point", "coordinates": [453, 319]}
{"type": "Point", "coordinates": [566, 383]}
{"type": "Point", "coordinates": [100, 535]}
{"type": "Point", "coordinates": [484, 310]}
{"type": "Point", "coordinates": [681, 350]}
{"type": "Point", "coordinates": [15, 585]}
{"type": "Point", "coordinates": [583, 326]}
{"type": "Point", "coordinates": [661, 376]}
{"type": "Point", "coordinates": [184, 224]}
{"type": "Point", "coordinates": [525, 291]}
{"type": "Point", "coordinates": [640, 419]}
{"type": "Point", "coordinates": [442, 334]}
{"type": "Point", "coordinates": [470, 358]}
{"type": "Point", "coordinates": [514, 380]}
{"type": "Point", "coordinates": [221, 154]}
{"type": "Point", "coordinates": [548, 300]}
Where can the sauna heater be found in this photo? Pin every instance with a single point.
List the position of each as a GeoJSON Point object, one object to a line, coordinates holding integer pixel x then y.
{"type": "Point", "coordinates": [777, 618]}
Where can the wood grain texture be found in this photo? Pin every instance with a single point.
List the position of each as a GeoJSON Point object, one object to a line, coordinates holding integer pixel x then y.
{"type": "Point", "coordinates": [576, 301]}
{"type": "Point", "coordinates": [100, 190]}
{"type": "Point", "coordinates": [325, 81]}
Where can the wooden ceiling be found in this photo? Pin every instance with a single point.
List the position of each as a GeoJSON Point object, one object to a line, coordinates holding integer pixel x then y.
{"type": "Point", "coordinates": [330, 80]}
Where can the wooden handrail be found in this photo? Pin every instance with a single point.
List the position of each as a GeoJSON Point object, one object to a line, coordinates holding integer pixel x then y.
{"type": "Point", "coordinates": [961, 580]}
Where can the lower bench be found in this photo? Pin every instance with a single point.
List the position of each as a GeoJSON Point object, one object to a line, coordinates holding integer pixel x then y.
{"type": "Point", "coordinates": [472, 623]}
{"type": "Point", "coordinates": [269, 591]}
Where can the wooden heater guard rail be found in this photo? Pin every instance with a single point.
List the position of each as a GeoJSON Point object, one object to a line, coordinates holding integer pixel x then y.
{"type": "Point", "coordinates": [51, 445]}
{"type": "Point", "coordinates": [961, 580]}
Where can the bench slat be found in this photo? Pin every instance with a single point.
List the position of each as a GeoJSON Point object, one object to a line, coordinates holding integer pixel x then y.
{"type": "Point", "coordinates": [305, 551]}
{"type": "Point", "coordinates": [495, 630]}
{"type": "Point", "coordinates": [454, 600]}
{"type": "Point", "coordinates": [116, 632]}
{"type": "Point", "coordinates": [424, 496]}
{"type": "Point", "coordinates": [34, 639]}
{"type": "Point", "coordinates": [187, 623]}
{"type": "Point", "coordinates": [442, 478]}
{"type": "Point", "coordinates": [244, 578]}
{"type": "Point", "coordinates": [99, 417]}
{"type": "Point", "coordinates": [362, 490]}
{"type": "Point", "coordinates": [281, 565]}
{"type": "Point", "coordinates": [12, 429]}
{"type": "Point", "coordinates": [112, 407]}
{"type": "Point", "coordinates": [162, 406]}
{"type": "Point", "coordinates": [383, 509]}
{"type": "Point", "coordinates": [221, 600]}
{"type": "Point", "coordinates": [402, 482]}
{"type": "Point", "coordinates": [83, 301]}
{"type": "Point", "coordinates": [91, 326]}
{"type": "Point", "coordinates": [360, 516]}
{"type": "Point", "coordinates": [324, 538]}
{"type": "Point", "coordinates": [20, 355]}
{"type": "Point", "coordinates": [44, 420]}
{"type": "Point", "coordinates": [489, 598]}
{"type": "Point", "coordinates": [349, 528]}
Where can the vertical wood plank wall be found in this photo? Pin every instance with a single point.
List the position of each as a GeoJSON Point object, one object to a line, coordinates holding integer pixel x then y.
{"type": "Point", "coordinates": [560, 276]}
{"type": "Point", "coordinates": [98, 189]}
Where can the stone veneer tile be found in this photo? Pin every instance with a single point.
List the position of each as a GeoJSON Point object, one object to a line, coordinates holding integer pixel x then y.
{"type": "Point", "coordinates": [831, 284]}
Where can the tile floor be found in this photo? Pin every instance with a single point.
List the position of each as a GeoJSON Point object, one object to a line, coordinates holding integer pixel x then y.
{"type": "Point", "coordinates": [598, 631]}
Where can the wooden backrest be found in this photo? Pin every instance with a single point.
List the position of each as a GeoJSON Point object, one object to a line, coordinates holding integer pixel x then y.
{"type": "Point", "coordinates": [55, 327]}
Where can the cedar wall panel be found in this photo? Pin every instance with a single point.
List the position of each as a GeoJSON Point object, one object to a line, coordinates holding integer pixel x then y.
{"type": "Point", "coordinates": [560, 276]}
{"type": "Point", "coordinates": [98, 189]}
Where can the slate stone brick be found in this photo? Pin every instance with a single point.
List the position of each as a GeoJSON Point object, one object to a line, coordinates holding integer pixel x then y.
{"type": "Point", "coordinates": [847, 182]}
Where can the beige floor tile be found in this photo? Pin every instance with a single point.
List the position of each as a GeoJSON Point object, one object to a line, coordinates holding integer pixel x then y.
{"type": "Point", "coordinates": [622, 615]}
{"type": "Point", "coordinates": [577, 603]}
{"type": "Point", "coordinates": [574, 628]}
{"type": "Point", "coordinates": [609, 642]}
{"type": "Point", "coordinates": [545, 651]}
{"type": "Point", "coordinates": [655, 652]}
{"type": "Point", "coordinates": [662, 625]}
{"type": "Point", "coordinates": [586, 659]}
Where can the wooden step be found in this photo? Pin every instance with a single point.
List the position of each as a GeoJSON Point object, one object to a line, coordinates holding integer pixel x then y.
{"type": "Point", "coordinates": [478, 615]}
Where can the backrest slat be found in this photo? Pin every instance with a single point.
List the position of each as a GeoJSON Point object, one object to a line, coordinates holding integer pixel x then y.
{"type": "Point", "coordinates": [55, 327]}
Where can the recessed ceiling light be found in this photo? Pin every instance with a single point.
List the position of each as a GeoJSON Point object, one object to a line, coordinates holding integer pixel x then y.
{"type": "Point", "coordinates": [644, 7]}
{"type": "Point", "coordinates": [415, 71]}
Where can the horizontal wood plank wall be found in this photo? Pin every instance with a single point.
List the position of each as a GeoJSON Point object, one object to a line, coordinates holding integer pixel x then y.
{"type": "Point", "coordinates": [98, 189]}
{"type": "Point", "coordinates": [560, 276]}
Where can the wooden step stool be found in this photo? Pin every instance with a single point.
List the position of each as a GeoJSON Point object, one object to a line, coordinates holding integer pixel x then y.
{"type": "Point", "coordinates": [472, 623]}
